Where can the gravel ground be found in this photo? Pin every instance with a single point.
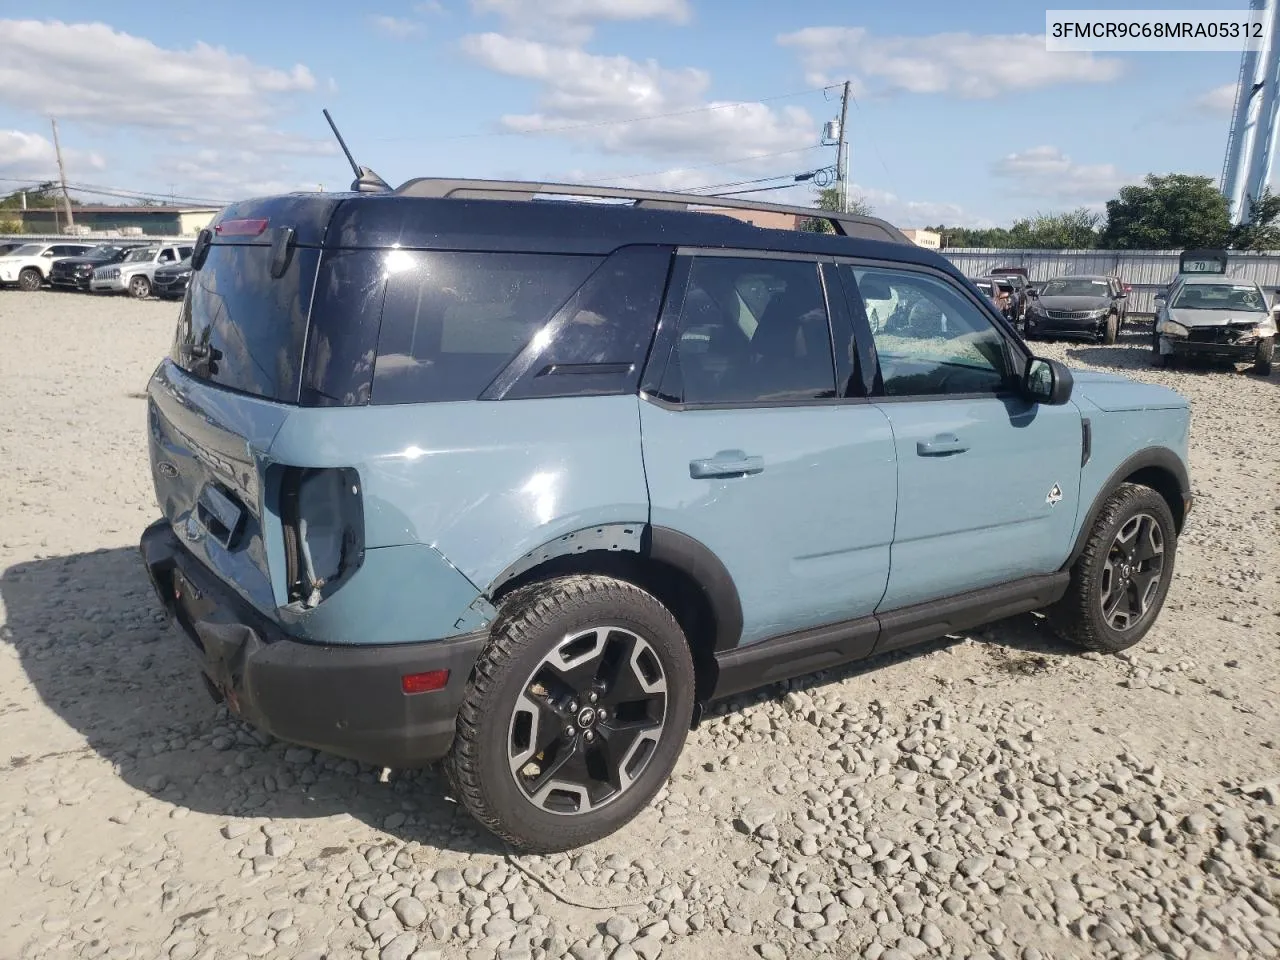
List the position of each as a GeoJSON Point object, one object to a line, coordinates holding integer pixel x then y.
{"type": "Point", "coordinates": [998, 795]}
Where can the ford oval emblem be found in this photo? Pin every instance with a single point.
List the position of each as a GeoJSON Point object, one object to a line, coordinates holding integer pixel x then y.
{"type": "Point", "coordinates": [166, 469]}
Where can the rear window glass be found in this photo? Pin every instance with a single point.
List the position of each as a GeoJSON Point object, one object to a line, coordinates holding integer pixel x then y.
{"type": "Point", "coordinates": [243, 329]}
{"type": "Point", "coordinates": [452, 321]}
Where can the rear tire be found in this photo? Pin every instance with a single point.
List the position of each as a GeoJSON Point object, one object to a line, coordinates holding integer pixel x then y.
{"type": "Point", "coordinates": [1122, 576]}
{"type": "Point", "coordinates": [139, 288]}
{"type": "Point", "coordinates": [531, 759]}
{"type": "Point", "coordinates": [1262, 359]}
{"type": "Point", "coordinates": [30, 280]}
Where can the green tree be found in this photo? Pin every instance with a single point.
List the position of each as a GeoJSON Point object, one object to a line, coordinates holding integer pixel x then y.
{"type": "Point", "coordinates": [1174, 212]}
{"type": "Point", "coordinates": [1262, 230]}
{"type": "Point", "coordinates": [828, 198]}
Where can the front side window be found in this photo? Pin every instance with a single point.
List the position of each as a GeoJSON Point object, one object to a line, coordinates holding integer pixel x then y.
{"type": "Point", "coordinates": [930, 339]}
{"type": "Point", "coordinates": [751, 331]}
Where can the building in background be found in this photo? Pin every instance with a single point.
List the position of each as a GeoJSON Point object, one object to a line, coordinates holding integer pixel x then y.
{"type": "Point", "coordinates": [924, 238]}
{"type": "Point", "coordinates": [769, 219]}
{"type": "Point", "coordinates": [157, 221]}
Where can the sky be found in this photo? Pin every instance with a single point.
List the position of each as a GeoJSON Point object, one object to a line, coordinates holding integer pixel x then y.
{"type": "Point", "coordinates": [959, 113]}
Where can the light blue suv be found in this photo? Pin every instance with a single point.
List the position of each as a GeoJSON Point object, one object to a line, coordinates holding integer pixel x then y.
{"type": "Point", "coordinates": [448, 472]}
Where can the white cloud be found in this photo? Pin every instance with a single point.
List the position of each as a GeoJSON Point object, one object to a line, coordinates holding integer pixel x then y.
{"type": "Point", "coordinates": [572, 21]}
{"type": "Point", "coordinates": [1046, 171]}
{"type": "Point", "coordinates": [92, 73]}
{"type": "Point", "coordinates": [29, 156]}
{"type": "Point", "coordinates": [399, 27]}
{"type": "Point", "coordinates": [583, 93]}
{"type": "Point", "coordinates": [1219, 100]}
{"type": "Point", "coordinates": [972, 66]}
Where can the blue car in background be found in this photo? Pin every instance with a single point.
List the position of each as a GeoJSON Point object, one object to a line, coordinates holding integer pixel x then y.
{"type": "Point", "coordinates": [450, 473]}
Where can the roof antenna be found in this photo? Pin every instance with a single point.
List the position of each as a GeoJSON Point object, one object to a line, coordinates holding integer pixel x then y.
{"type": "Point", "coordinates": [366, 180]}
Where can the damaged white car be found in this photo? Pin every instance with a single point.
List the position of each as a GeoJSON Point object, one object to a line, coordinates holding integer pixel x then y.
{"type": "Point", "coordinates": [1216, 318]}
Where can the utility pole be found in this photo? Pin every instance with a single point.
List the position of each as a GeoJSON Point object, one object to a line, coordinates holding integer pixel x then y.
{"type": "Point", "coordinates": [62, 173]}
{"type": "Point", "coordinates": [842, 152]}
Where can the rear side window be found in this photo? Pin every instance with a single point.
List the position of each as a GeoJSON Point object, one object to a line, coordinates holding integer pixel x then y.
{"type": "Point", "coordinates": [752, 331]}
{"type": "Point", "coordinates": [452, 321]}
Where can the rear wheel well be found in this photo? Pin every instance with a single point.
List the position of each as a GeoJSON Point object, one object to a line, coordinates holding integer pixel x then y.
{"type": "Point", "coordinates": [674, 588]}
{"type": "Point", "coordinates": [1166, 484]}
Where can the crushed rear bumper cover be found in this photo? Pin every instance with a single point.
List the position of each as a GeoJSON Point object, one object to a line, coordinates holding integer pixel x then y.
{"type": "Point", "coordinates": [344, 700]}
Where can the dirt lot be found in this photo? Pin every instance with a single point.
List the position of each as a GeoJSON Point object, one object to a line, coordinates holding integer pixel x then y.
{"type": "Point", "coordinates": [996, 796]}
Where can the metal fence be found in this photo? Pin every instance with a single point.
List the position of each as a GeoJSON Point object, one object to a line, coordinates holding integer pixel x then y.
{"type": "Point", "coordinates": [1146, 270]}
{"type": "Point", "coordinates": [91, 237]}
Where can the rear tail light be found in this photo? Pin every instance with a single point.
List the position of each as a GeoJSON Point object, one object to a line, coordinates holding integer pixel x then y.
{"type": "Point", "coordinates": [323, 517]}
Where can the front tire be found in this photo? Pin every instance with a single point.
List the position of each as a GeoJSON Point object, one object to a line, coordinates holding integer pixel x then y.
{"type": "Point", "coordinates": [1262, 359]}
{"type": "Point", "coordinates": [140, 287]}
{"type": "Point", "coordinates": [1110, 331]}
{"type": "Point", "coordinates": [30, 280]}
{"type": "Point", "coordinates": [1122, 576]}
{"type": "Point", "coordinates": [575, 713]}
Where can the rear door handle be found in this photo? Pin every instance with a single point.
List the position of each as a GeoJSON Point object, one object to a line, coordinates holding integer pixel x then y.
{"type": "Point", "coordinates": [943, 445]}
{"type": "Point", "coordinates": [726, 463]}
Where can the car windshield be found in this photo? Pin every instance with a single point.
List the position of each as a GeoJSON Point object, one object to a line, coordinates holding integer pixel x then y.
{"type": "Point", "coordinates": [1074, 287]}
{"type": "Point", "coordinates": [1221, 296]}
{"type": "Point", "coordinates": [142, 253]}
{"type": "Point", "coordinates": [28, 250]}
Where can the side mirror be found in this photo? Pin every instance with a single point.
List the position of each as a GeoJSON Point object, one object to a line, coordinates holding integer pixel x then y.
{"type": "Point", "coordinates": [1159, 298]}
{"type": "Point", "coordinates": [1047, 381]}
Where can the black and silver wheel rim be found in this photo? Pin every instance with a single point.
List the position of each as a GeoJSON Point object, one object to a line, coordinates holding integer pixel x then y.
{"type": "Point", "coordinates": [1132, 572]}
{"type": "Point", "coordinates": [587, 721]}
{"type": "Point", "coordinates": [30, 280]}
{"type": "Point", "coordinates": [138, 286]}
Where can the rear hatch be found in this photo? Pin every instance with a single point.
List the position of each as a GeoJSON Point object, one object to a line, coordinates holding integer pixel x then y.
{"type": "Point", "coordinates": [233, 375]}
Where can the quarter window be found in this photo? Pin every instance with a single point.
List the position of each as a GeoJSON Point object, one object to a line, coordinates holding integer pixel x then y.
{"type": "Point", "coordinates": [930, 338]}
{"type": "Point", "coordinates": [751, 331]}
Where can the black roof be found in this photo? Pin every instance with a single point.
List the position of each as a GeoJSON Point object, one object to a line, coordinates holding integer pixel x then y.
{"type": "Point", "coordinates": [383, 220]}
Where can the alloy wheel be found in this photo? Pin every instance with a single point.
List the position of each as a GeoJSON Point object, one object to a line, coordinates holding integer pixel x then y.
{"type": "Point", "coordinates": [588, 720]}
{"type": "Point", "coordinates": [1131, 574]}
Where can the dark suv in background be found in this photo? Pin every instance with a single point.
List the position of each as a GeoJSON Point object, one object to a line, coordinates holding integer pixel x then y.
{"type": "Point", "coordinates": [76, 272]}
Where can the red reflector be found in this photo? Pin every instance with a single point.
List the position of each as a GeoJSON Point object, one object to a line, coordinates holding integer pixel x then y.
{"type": "Point", "coordinates": [424, 682]}
{"type": "Point", "coordinates": [240, 228]}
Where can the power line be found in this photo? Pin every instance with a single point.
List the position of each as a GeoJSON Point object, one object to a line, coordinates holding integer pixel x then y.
{"type": "Point", "coordinates": [731, 193]}
{"type": "Point", "coordinates": [121, 192]}
{"type": "Point", "coordinates": [603, 123]}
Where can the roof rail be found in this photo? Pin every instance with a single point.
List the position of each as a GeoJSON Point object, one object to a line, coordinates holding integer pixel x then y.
{"type": "Point", "coordinates": [848, 224]}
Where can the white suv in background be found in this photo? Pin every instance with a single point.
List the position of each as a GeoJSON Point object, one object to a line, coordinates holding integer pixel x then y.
{"type": "Point", "coordinates": [28, 266]}
{"type": "Point", "coordinates": [137, 270]}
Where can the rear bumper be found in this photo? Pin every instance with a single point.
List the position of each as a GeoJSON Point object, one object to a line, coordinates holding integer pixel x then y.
{"type": "Point", "coordinates": [344, 700]}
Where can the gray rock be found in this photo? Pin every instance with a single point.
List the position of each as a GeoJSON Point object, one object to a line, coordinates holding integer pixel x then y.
{"type": "Point", "coordinates": [449, 880]}
{"type": "Point", "coordinates": [622, 928]}
{"type": "Point", "coordinates": [771, 951]}
{"type": "Point", "coordinates": [410, 911]}
{"type": "Point", "coordinates": [401, 948]}
{"type": "Point", "coordinates": [370, 908]}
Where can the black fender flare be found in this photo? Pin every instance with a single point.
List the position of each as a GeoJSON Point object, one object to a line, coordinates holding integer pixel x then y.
{"type": "Point", "coordinates": [1160, 458]}
{"type": "Point", "coordinates": [697, 561]}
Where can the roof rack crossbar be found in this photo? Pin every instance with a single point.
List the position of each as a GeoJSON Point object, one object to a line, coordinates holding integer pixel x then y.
{"type": "Point", "coordinates": [848, 224]}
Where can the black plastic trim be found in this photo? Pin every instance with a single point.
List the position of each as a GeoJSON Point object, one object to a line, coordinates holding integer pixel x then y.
{"type": "Point", "coordinates": [806, 651]}
{"type": "Point", "coordinates": [1159, 457]}
{"type": "Point", "coordinates": [921, 622]}
{"type": "Point", "coordinates": [694, 558]}
{"type": "Point", "coordinates": [344, 700]}
{"type": "Point", "coordinates": [1086, 440]}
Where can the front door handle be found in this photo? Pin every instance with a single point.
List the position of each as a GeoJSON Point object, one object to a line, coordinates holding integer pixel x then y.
{"type": "Point", "coordinates": [726, 463]}
{"type": "Point", "coordinates": [943, 445]}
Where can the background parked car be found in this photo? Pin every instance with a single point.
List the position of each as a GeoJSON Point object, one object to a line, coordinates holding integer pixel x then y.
{"type": "Point", "coordinates": [1004, 296]}
{"type": "Point", "coordinates": [170, 281]}
{"type": "Point", "coordinates": [28, 265]}
{"type": "Point", "coordinates": [137, 270]}
{"type": "Point", "coordinates": [1215, 317]}
{"type": "Point", "coordinates": [1086, 307]}
{"type": "Point", "coordinates": [76, 272]}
